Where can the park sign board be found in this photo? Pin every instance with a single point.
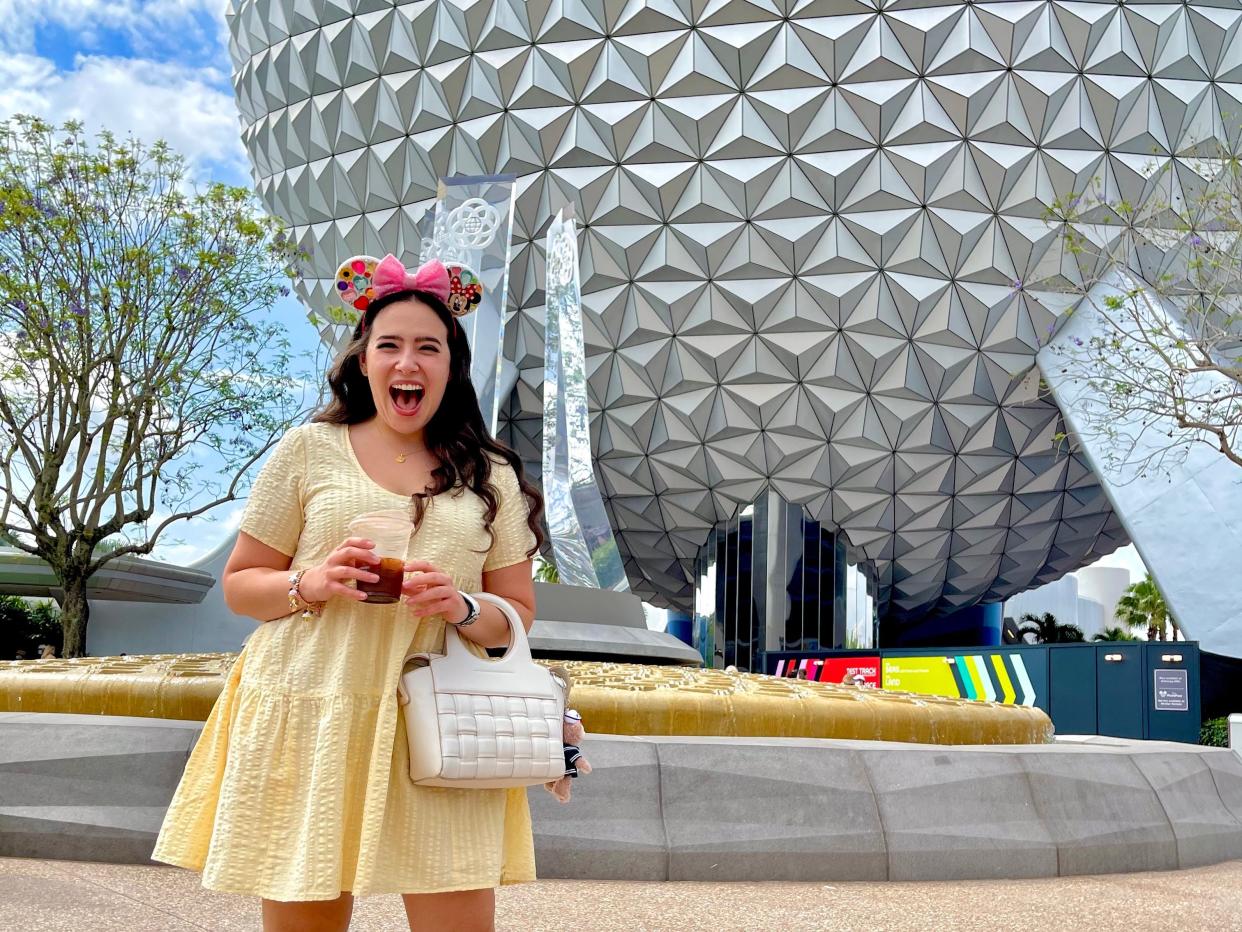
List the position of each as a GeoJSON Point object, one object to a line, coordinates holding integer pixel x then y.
{"type": "Point", "coordinates": [1172, 691]}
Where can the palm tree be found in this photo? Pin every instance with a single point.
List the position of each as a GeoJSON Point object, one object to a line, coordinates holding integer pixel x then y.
{"type": "Point", "coordinates": [1142, 606]}
{"type": "Point", "coordinates": [1048, 630]}
{"type": "Point", "coordinates": [1115, 633]}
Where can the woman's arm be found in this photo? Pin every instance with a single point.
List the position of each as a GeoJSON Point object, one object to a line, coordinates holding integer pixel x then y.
{"type": "Point", "coordinates": [516, 586]}
{"type": "Point", "coordinates": [431, 592]}
{"type": "Point", "coordinates": [256, 580]}
{"type": "Point", "coordinates": [256, 577]}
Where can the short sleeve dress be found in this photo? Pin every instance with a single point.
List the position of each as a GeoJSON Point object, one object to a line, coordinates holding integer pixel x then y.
{"type": "Point", "coordinates": [299, 787]}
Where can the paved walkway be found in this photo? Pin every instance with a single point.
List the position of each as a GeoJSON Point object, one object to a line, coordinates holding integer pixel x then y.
{"type": "Point", "coordinates": [41, 896]}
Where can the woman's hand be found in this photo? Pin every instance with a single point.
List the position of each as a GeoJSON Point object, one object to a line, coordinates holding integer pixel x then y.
{"type": "Point", "coordinates": [331, 577]}
{"type": "Point", "coordinates": [431, 592]}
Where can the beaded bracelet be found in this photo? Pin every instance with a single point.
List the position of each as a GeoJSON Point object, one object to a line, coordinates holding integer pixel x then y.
{"type": "Point", "coordinates": [296, 599]}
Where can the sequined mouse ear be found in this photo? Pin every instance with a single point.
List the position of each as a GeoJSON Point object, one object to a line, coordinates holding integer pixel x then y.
{"type": "Point", "coordinates": [465, 290]}
{"type": "Point", "coordinates": [353, 282]}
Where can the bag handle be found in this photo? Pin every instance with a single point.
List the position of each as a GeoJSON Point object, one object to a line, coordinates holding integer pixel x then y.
{"type": "Point", "coordinates": [519, 647]}
{"type": "Point", "coordinates": [517, 652]}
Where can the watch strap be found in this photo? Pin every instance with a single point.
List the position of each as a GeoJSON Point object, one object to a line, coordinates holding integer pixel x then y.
{"type": "Point", "coordinates": [472, 612]}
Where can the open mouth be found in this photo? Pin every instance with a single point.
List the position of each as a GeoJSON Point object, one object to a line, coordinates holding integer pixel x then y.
{"type": "Point", "coordinates": [407, 397]}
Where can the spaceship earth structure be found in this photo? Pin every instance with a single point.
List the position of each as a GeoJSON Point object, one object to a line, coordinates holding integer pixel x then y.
{"type": "Point", "coordinates": [808, 229]}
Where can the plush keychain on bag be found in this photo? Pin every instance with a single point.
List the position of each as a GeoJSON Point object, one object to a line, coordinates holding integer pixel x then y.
{"type": "Point", "coordinates": [572, 734]}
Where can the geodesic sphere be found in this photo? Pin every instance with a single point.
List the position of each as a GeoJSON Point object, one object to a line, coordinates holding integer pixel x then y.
{"type": "Point", "coordinates": [808, 225]}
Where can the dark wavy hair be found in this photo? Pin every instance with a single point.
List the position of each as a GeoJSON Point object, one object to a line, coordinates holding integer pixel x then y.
{"type": "Point", "coordinates": [456, 434]}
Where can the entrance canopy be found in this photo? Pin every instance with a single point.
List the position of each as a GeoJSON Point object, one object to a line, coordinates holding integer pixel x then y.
{"type": "Point", "coordinates": [125, 579]}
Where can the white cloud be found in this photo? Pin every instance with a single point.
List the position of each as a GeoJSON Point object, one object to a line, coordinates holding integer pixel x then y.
{"type": "Point", "coordinates": [156, 68]}
{"type": "Point", "coordinates": [143, 22]}
{"type": "Point", "coordinates": [22, 78]}
{"type": "Point", "coordinates": [184, 106]}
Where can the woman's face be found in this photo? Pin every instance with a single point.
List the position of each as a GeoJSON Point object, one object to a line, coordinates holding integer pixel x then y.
{"type": "Point", "coordinates": [407, 364]}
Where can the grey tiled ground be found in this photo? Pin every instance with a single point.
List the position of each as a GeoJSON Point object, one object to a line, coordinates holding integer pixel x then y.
{"type": "Point", "coordinates": [42, 896]}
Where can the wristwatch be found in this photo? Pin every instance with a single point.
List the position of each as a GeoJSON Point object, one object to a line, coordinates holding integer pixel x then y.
{"type": "Point", "coordinates": [472, 612]}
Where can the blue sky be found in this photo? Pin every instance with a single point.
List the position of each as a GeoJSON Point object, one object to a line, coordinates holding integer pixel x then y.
{"type": "Point", "coordinates": [154, 67]}
{"type": "Point", "coordinates": [159, 69]}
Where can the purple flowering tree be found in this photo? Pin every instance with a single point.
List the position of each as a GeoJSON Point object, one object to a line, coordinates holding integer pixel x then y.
{"type": "Point", "coordinates": [141, 371]}
{"type": "Point", "coordinates": [1169, 356]}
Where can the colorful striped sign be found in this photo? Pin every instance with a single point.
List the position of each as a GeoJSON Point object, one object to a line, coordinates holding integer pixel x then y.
{"type": "Point", "coordinates": [833, 669]}
{"type": "Point", "coordinates": [993, 677]}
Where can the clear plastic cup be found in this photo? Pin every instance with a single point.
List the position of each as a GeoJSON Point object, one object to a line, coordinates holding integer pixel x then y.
{"type": "Point", "coordinates": [390, 532]}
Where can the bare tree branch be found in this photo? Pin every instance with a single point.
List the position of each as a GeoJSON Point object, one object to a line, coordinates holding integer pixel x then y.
{"type": "Point", "coordinates": [1169, 351]}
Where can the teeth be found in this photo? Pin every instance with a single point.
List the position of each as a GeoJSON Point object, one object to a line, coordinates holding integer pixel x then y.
{"type": "Point", "coordinates": [408, 393]}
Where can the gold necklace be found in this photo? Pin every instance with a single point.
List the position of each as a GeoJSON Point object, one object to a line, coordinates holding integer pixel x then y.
{"type": "Point", "coordinates": [401, 456]}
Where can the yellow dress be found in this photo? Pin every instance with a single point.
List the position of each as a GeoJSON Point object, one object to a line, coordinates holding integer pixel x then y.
{"type": "Point", "coordinates": [299, 786]}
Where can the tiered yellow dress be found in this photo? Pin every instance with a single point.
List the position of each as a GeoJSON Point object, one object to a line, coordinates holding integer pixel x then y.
{"type": "Point", "coordinates": [299, 787]}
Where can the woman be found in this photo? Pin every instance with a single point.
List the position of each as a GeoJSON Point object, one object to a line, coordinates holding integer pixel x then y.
{"type": "Point", "coordinates": [298, 790]}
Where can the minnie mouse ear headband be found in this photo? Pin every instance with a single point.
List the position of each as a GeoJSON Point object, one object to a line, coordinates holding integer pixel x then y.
{"type": "Point", "coordinates": [362, 279]}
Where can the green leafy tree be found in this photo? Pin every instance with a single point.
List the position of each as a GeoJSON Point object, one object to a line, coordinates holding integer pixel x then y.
{"type": "Point", "coordinates": [24, 627]}
{"type": "Point", "coordinates": [141, 373]}
{"type": "Point", "coordinates": [1142, 606]}
{"type": "Point", "coordinates": [1048, 630]}
{"type": "Point", "coordinates": [1168, 370]}
{"type": "Point", "coordinates": [1115, 633]}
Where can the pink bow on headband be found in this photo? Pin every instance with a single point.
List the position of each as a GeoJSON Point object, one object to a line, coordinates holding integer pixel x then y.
{"type": "Point", "coordinates": [390, 275]}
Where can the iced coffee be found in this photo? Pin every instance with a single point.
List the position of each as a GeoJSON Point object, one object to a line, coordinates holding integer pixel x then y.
{"type": "Point", "coordinates": [390, 532]}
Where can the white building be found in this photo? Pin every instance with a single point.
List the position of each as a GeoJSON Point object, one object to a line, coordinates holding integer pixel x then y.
{"type": "Point", "coordinates": [1104, 585]}
{"type": "Point", "coordinates": [1086, 598]}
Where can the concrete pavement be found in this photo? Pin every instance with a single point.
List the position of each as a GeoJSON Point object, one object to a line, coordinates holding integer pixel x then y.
{"type": "Point", "coordinates": [59, 896]}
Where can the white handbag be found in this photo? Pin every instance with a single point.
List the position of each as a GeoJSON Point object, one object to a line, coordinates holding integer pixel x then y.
{"type": "Point", "coordinates": [478, 723]}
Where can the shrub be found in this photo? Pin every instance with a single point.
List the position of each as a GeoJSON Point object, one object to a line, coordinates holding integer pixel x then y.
{"type": "Point", "coordinates": [1215, 732]}
{"type": "Point", "coordinates": [24, 626]}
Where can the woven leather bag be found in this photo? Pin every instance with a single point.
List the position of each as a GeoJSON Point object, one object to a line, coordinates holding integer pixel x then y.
{"type": "Point", "coordinates": [479, 723]}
